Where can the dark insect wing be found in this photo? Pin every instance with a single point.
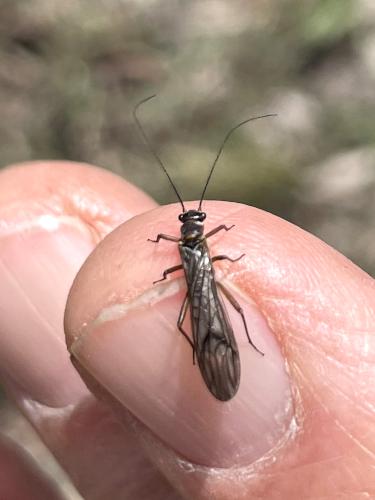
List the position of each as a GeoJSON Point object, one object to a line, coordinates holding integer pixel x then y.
{"type": "Point", "coordinates": [215, 345]}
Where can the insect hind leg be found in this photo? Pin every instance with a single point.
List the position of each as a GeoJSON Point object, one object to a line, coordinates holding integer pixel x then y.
{"type": "Point", "coordinates": [217, 229]}
{"type": "Point", "coordinates": [239, 309]}
{"type": "Point", "coordinates": [162, 236]}
{"type": "Point", "coordinates": [180, 321]}
{"type": "Point", "coordinates": [169, 271]}
{"type": "Point", "coordinates": [225, 257]}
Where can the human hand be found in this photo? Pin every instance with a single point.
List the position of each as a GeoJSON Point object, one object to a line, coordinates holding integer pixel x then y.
{"type": "Point", "coordinates": [156, 429]}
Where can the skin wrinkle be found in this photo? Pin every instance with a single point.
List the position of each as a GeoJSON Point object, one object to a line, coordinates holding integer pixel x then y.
{"type": "Point", "coordinates": [349, 472]}
{"type": "Point", "coordinates": [321, 354]}
{"type": "Point", "coordinates": [286, 301]}
{"type": "Point", "coordinates": [335, 345]}
{"type": "Point", "coordinates": [332, 324]}
{"type": "Point", "coordinates": [356, 406]}
{"type": "Point", "coordinates": [354, 440]}
{"type": "Point", "coordinates": [28, 301]}
{"type": "Point", "coordinates": [299, 290]}
{"type": "Point", "coordinates": [305, 283]}
{"type": "Point", "coordinates": [334, 334]}
{"type": "Point", "coordinates": [346, 432]}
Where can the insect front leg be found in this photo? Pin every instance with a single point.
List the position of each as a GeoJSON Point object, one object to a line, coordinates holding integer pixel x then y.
{"type": "Point", "coordinates": [162, 236]}
{"type": "Point", "coordinates": [219, 228]}
{"type": "Point", "coordinates": [225, 257]}
{"type": "Point", "coordinates": [180, 321]}
{"type": "Point", "coordinates": [239, 309]}
{"type": "Point", "coordinates": [168, 271]}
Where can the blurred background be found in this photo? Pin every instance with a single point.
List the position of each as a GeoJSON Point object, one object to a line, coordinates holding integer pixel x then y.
{"type": "Point", "coordinates": [71, 73]}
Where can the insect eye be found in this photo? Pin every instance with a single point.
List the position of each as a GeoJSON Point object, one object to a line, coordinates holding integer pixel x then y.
{"type": "Point", "coordinates": [203, 216]}
{"type": "Point", "coordinates": [180, 217]}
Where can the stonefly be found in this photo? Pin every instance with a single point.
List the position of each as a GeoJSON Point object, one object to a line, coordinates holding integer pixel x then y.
{"type": "Point", "coordinates": [213, 342]}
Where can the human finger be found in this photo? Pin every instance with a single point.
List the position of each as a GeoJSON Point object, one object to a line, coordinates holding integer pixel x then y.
{"type": "Point", "coordinates": [52, 215]}
{"type": "Point", "coordinates": [293, 287]}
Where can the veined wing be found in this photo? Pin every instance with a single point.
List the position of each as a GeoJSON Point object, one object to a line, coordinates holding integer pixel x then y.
{"type": "Point", "coordinates": [214, 342]}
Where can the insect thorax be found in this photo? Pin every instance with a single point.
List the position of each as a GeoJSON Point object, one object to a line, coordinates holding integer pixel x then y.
{"type": "Point", "coordinates": [192, 228]}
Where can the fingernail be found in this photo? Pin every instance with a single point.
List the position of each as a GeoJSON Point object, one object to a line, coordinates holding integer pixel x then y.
{"type": "Point", "coordinates": [37, 268]}
{"type": "Point", "coordinates": [137, 354]}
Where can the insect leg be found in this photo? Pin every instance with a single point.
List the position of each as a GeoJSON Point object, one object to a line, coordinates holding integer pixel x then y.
{"type": "Point", "coordinates": [217, 229]}
{"type": "Point", "coordinates": [238, 308]}
{"type": "Point", "coordinates": [164, 237]}
{"type": "Point", "coordinates": [225, 257]}
{"type": "Point", "coordinates": [181, 318]}
{"type": "Point", "coordinates": [169, 271]}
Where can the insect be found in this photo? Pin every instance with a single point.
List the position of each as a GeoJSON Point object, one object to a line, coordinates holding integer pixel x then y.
{"type": "Point", "coordinates": [213, 341]}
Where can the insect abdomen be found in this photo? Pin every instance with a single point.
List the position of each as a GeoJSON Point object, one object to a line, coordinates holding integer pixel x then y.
{"type": "Point", "coordinates": [219, 364]}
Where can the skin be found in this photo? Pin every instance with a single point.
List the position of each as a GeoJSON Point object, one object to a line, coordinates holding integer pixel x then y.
{"type": "Point", "coordinates": [16, 468]}
{"type": "Point", "coordinates": [143, 425]}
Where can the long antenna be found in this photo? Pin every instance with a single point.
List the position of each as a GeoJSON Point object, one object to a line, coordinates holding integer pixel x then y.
{"type": "Point", "coordinates": [152, 150]}
{"type": "Point", "coordinates": [222, 147]}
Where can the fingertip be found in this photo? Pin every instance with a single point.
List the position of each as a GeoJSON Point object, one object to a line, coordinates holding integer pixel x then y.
{"type": "Point", "coordinates": [122, 329]}
{"type": "Point", "coordinates": [97, 196]}
{"type": "Point", "coordinates": [52, 215]}
{"type": "Point", "coordinates": [301, 291]}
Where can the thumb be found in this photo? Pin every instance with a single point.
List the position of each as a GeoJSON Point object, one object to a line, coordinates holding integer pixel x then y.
{"type": "Point", "coordinates": [318, 305]}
